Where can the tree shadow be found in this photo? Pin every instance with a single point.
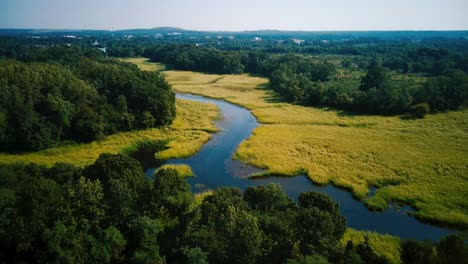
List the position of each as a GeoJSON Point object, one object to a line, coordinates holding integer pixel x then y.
{"type": "Point", "coordinates": [347, 113]}
{"type": "Point", "coordinates": [271, 96]}
{"type": "Point", "coordinates": [409, 117]}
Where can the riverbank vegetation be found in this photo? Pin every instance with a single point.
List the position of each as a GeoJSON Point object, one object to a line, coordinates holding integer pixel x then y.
{"type": "Point", "coordinates": [110, 212]}
{"type": "Point", "coordinates": [189, 131]}
{"type": "Point", "coordinates": [183, 170]}
{"type": "Point", "coordinates": [409, 161]}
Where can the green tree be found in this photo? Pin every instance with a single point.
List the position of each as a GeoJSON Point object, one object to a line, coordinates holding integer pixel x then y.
{"type": "Point", "coordinates": [124, 181]}
{"type": "Point", "coordinates": [196, 256]}
{"type": "Point", "coordinates": [452, 249]}
{"type": "Point", "coordinates": [416, 252]}
{"type": "Point", "coordinates": [419, 110]}
{"type": "Point", "coordinates": [144, 240]}
{"type": "Point", "coordinates": [39, 202]}
{"type": "Point", "coordinates": [227, 231]}
{"type": "Point", "coordinates": [319, 224]}
{"type": "Point", "coordinates": [170, 199]}
{"type": "Point", "coordinates": [376, 77]}
{"type": "Point", "coordinates": [276, 214]}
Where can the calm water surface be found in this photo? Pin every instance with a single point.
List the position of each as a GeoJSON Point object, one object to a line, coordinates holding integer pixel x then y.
{"type": "Point", "coordinates": [214, 167]}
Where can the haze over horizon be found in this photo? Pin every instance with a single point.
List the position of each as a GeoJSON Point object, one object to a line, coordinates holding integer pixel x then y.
{"type": "Point", "coordinates": [211, 15]}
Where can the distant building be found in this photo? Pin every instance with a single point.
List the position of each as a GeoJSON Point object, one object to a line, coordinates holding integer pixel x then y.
{"type": "Point", "coordinates": [95, 43]}
{"type": "Point", "coordinates": [298, 41]}
{"type": "Point", "coordinates": [257, 39]}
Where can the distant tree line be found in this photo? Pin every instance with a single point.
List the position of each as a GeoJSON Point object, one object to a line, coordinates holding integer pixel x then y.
{"type": "Point", "coordinates": [111, 212]}
{"type": "Point", "coordinates": [191, 57]}
{"type": "Point", "coordinates": [68, 94]}
{"type": "Point", "coordinates": [376, 92]}
{"type": "Point", "coordinates": [308, 81]}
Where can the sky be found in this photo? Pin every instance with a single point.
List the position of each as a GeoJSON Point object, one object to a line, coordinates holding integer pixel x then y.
{"type": "Point", "coordinates": [236, 15]}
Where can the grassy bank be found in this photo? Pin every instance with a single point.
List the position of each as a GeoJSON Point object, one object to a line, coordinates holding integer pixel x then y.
{"type": "Point", "coordinates": [183, 170]}
{"type": "Point", "coordinates": [189, 131]}
{"type": "Point", "coordinates": [422, 163]}
{"type": "Point", "coordinates": [145, 65]}
{"type": "Point", "coordinates": [383, 245]}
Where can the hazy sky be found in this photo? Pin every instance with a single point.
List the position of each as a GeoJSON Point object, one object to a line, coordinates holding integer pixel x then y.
{"type": "Point", "coordinates": [237, 14]}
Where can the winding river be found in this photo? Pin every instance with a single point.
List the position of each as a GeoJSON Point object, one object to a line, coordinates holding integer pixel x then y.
{"type": "Point", "coordinates": [214, 167]}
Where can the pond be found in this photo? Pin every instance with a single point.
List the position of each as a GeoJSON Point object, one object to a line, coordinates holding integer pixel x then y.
{"type": "Point", "coordinates": [214, 167]}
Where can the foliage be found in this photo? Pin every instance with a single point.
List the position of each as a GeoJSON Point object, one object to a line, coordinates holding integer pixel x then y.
{"type": "Point", "coordinates": [419, 110]}
{"type": "Point", "coordinates": [45, 104]}
{"type": "Point", "coordinates": [191, 57]}
{"type": "Point", "coordinates": [320, 224]}
{"type": "Point", "coordinates": [448, 92]}
{"type": "Point", "coordinates": [276, 214]}
{"type": "Point", "coordinates": [414, 252]}
{"type": "Point", "coordinates": [451, 249]}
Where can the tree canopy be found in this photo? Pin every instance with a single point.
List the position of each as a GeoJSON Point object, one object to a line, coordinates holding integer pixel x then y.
{"type": "Point", "coordinates": [43, 104]}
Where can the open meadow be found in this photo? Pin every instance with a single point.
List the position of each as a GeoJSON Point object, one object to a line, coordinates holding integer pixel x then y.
{"type": "Point", "coordinates": [189, 131]}
{"type": "Point", "coordinates": [422, 163]}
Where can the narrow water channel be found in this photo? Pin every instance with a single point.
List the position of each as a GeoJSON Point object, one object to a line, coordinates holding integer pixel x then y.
{"type": "Point", "coordinates": [214, 167]}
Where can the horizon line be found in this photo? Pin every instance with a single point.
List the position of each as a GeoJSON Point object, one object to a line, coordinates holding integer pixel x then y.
{"type": "Point", "coordinates": [235, 31]}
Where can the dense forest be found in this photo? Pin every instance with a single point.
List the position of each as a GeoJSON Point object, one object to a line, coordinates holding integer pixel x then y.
{"type": "Point", "coordinates": [58, 94]}
{"type": "Point", "coordinates": [111, 212]}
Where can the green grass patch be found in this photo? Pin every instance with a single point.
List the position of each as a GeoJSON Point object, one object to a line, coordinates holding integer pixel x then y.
{"type": "Point", "coordinates": [199, 197]}
{"type": "Point", "coordinates": [145, 64]}
{"type": "Point", "coordinates": [145, 146]}
{"type": "Point", "coordinates": [183, 170]}
{"type": "Point", "coordinates": [383, 245]}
